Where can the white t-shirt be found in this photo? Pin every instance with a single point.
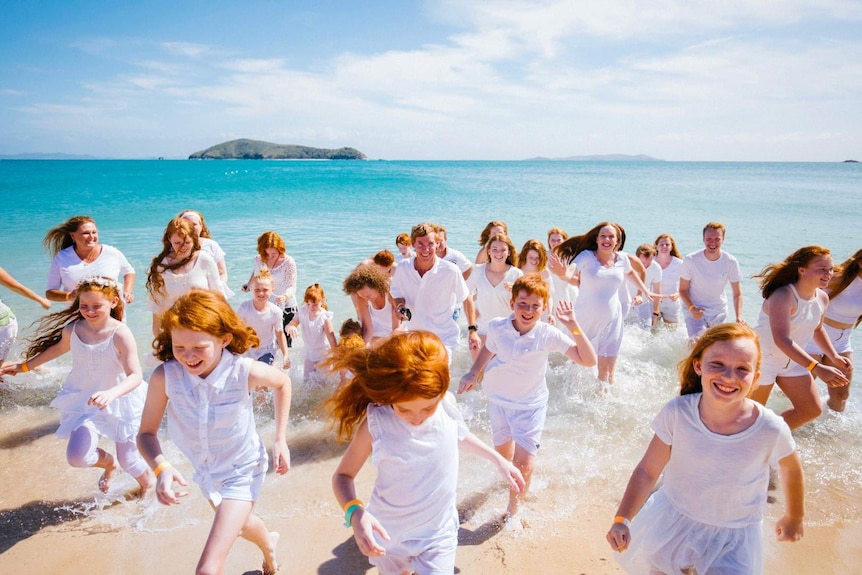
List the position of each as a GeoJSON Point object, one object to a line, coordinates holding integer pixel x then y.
{"type": "Point", "coordinates": [67, 269]}
{"type": "Point", "coordinates": [457, 258]}
{"type": "Point", "coordinates": [431, 298]}
{"type": "Point", "coordinates": [719, 479]}
{"type": "Point", "coordinates": [708, 279]}
{"type": "Point", "coordinates": [265, 323]}
{"type": "Point", "coordinates": [491, 301]}
{"type": "Point", "coordinates": [515, 376]}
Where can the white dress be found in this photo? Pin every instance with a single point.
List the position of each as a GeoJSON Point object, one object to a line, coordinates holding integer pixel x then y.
{"type": "Point", "coordinates": [708, 512]}
{"type": "Point", "coordinates": [492, 301]}
{"type": "Point", "coordinates": [670, 285]}
{"type": "Point", "coordinates": [417, 475]}
{"type": "Point", "coordinates": [211, 420]}
{"type": "Point", "coordinates": [97, 367]}
{"type": "Point", "coordinates": [202, 275]}
{"type": "Point", "coordinates": [598, 306]}
{"type": "Point", "coordinates": [265, 324]}
{"type": "Point", "coordinates": [315, 344]}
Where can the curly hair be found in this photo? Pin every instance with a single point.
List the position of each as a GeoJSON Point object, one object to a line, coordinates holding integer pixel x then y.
{"type": "Point", "coordinates": [185, 230]}
{"type": "Point", "coordinates": [366, 275]}
{"type": "Point", "coordinates": [403, 367]}
{"type": "Point", "coordinates": [207, 312]}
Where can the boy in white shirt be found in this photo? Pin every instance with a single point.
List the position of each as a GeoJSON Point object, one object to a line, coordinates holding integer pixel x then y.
{"type": "Point", "coordinates": [516, 355]}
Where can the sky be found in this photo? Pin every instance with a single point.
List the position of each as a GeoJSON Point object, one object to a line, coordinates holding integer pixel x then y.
{"type": "Point", "coordinates": [685, 80]}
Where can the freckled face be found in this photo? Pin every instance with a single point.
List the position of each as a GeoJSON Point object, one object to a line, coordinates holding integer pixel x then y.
{"type": "Point", "coordinates": [727, 369]}
{"type": "Point", "coordinates": [819, 269]}
{"type": "Point", "coordinates": [528, 310]}
{"type": "Point", "coordinates": [416, 411]}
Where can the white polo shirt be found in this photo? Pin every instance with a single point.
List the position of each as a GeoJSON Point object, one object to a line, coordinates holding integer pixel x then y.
{"type": "Point", "coordinates": [431, 298]}
{"type": "Point", "coordinates": [515, 376]}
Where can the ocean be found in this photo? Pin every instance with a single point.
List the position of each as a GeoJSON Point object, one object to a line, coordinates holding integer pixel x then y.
{"type": "Point", "coordinates": [334, 214]}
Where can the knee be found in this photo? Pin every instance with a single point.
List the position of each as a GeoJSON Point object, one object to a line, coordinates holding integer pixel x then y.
{"type": "Point", "coordinates": [812, 411]}
{"type": "Point", "coordinates": [81, 458]}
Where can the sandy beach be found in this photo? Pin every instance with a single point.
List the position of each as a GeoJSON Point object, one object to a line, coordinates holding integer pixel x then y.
{"type": "Point", "coordinates": [54, 521]}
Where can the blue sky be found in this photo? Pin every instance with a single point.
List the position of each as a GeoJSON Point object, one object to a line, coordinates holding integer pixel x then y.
{"type": "Point", "coordinates": [676, 79]}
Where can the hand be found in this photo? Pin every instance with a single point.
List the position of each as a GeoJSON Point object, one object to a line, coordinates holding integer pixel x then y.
{"type": "Point", "coordinates": [619, 537]}
{"type": "Point", "coordinates": [128, 297]}
{"type": "Point", "coordinates": [45, 303]}
{"type": "Point", "coordinates": [556, 265]}
{"type": "Point", "coordinates": [101, 399]}
{"type": "Point", "coordinates": [674, 296]}
{"type": "Point", "coordinates": [696, 312]}
{"type": "Point", "coordinates": [286, 363]}
{"type": "Point", "coordinates": [831, 376]}
{"type": "Point", "coordinates": [845, 364]}
{"type": "Point", "coordinates": [10, 368]}
{"type": "Point", "coordinates": [364, 526]}
{"type": "Point", "coordinates": [513, 476]}
{"type": "Point", "coordinates": [468, 382]}
{"type": "Point", "coordinates": [164, 481]}
{"type": "Point", "coordinates": [787, 529]}
{"type": "Point", "coordinates": [566, 313]}
{"type": "Point", "coordinates": [281, 457]}
{"type": "Point", "coordinates": [475, 342]}
{"type": "Point", "coordinates": [637, 300]}
{"type": "Point", "coordinates": [280, 299]}
{"type": "Point", "coordinates": [291, 331]}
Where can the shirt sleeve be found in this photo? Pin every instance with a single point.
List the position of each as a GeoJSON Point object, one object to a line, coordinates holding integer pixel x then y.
{"type": "Point", "coordinates": [450, 406]}
{"type": "Point", "coordinates": [54, 280]}
{"type": "Point", "coordinates": [734, 274]}
{"type": "Point", "coordinates": [125, 267]}
{"type": "Point", "coordinates": [663, 424]}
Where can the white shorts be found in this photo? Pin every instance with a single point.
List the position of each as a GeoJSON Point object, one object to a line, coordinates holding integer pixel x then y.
{"type": "Point", "coordinates": [435, 557]}
{"type": "Point", "coordinates": [669, 310]}
{"type": "Point", "coordinates": [524, 426]}
{"type": "Point", "coordinates": [778, 365]}
{"type": "Point", "coordinates": [840, 339]}
{"type": "Point", "coordinates": [709, 318]}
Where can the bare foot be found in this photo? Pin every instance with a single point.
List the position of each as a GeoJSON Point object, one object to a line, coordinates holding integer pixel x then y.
{"type": "Point", "coordinates": [270, 565]}
{"type": "Point", "coordinates": [145, 480]}
{"type": "Point", "coordinates": [105, 479]}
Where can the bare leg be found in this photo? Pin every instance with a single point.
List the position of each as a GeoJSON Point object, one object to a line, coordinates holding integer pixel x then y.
{"type": "Point", "coordinates": [760, 394]}
{"type": "Point", "coordinates": [523, 461]}
{"type": "Point", "coordinates": [838, 396]}
{"type": "Point", "coordinates": [607, 364]}
{"type": "Point", "coordinates": [802, 393]}
{"type": "Point", "coordinates": [108, 463]}
{"type": "Point", "coordinates": [233, 518]}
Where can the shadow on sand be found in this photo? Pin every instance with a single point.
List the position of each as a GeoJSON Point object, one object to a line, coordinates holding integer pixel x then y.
{"type": "Point", "coordinates": [18, 524]}
{"type": "Point", "coordinates": [29, 435]}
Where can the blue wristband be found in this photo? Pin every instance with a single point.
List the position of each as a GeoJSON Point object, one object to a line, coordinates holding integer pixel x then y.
{"type": "Point", "coordinates": [348, 515]}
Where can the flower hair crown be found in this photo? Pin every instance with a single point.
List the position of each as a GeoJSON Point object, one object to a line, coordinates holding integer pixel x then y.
{"type": "Point", "coordinates": [100, 281]}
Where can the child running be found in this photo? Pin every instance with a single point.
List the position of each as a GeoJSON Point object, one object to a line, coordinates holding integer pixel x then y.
{"type": "Point", "coordinates": [205, 386]}
{"type": "Point", "coordinates": [715, 446]}
{"type": "Point", "coordinates": [516, 355]}
{"type": "Point", "coordinates": [103, 395]}
{"type": "Point", "coordinates": [317, 333]}
{"type": "Point", "coordinates": [396, 408]}
{"type": "Point", "coordinates": [265, 318]}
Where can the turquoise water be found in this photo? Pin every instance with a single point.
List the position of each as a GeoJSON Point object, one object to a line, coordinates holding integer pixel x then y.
{"type": "Point", "coordinates": [333, 214]}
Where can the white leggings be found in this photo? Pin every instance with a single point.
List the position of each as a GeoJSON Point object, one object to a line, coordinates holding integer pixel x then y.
{"type": "Point", "coordinates": [83, 446]}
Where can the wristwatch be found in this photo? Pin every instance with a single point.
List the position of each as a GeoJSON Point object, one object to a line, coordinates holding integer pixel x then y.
{"type": "Point", "coordinates": [473, 327]}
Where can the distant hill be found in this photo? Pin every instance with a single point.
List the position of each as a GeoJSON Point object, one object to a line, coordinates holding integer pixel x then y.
{"type": "Point", "coordinates": [601, 158]}
{"type": "Point", "coordinates": [245, 149]}
{"type": "Point", "coordinates": [47, 156]}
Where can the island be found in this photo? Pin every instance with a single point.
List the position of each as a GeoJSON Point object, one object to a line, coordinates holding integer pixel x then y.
{"type": "Point", "coordinates": [245, 149]}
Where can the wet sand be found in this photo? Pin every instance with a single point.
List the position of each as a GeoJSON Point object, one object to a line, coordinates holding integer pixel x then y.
{"type": "Point", "coordinates": [53, 520]}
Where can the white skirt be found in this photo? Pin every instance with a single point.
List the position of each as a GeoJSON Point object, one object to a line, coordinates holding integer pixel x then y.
{"type": "Point", "coordinates": [663, 540]}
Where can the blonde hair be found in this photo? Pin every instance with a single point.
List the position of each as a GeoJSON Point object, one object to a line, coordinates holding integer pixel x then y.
{"type": "Point", "coordinates": [60, 237]}
{"type": "Point", "coordinates": [403, 367]}
{"type": "Point", "coordinates": [207, 312]}
{"type": "Point", "coordinates": [263, 276]}
{"type": "Point", "coordinates": [50, 328]}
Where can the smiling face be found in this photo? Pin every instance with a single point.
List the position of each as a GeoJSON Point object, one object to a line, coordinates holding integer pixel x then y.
{"type": "Point", "coordinates": [95, 306]}
{"type": "Point", "coordinates": [528, 308]}
{"type": "Point", "coordinates": [426, 247]}
{"type": "Point", "coordinates": [197, 352]}
{"type": "Point", "coordinates": [712, 240]}
{"type": "Point", "coordinates": [498, 251]}
{"type": "Point", "coordinates": [533, 260]}
{"type": "Point", "coordinates": [554, 240]}
{"type": "Point", "coordinates": [728, 370]}
{"type": "Point", "coordinates": [818, 272]}
{"type": "Point", "coordinates": [416, 411]}
{"type": "Point", "coordinates": [86, 236]}
{"type": "Point", "coordinates": [664, 246]}
{"type": "Point", "coordinates": [262, 291]}
{"type": "Point", "coordinates": [607, 239]}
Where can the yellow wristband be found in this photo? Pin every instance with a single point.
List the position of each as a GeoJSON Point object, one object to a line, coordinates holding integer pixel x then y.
{"type": "Point", "coordinates": [161, 467]}
{"type": "Point", "coordinates": [575, 332]}
{"type": "Point", "coordinates": [623, 520]}
{"type": "Point", "coordinates": [24, 367]}
{"type": "Point", "coordinates": [68, 294]}
{"type": "Point", "coordinates": [349, 503]}
{"type": "Point", "coordinates": [812, 365]}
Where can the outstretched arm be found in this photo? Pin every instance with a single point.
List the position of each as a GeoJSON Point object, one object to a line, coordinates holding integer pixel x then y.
{"type": "Point", "coordinates": [640, 486]}
{"type": "Point", "coordinates": [263, 375]}
{"type": "Point", "coordinates": [789, 527]}
{"type": "Point", "coordinates": [512, 474]}
{"type": "Point", "coordinates": [53, 352]}
{"type": "Point", "coordinates": [8, 281]}
{"type": "Point", "coordinates": [343, 485]}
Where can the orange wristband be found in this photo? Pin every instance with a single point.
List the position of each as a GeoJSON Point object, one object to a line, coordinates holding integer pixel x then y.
{"type": "Point", "coordinates": [349, 503]}
{"type": "Point", "coordinates": [623, 520]}
{"type": "Point", "coordinates": [24, 367]}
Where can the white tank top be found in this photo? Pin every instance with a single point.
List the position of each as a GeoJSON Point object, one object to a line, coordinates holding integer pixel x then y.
{"type": "Point", "coordinates": [847, 307]}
